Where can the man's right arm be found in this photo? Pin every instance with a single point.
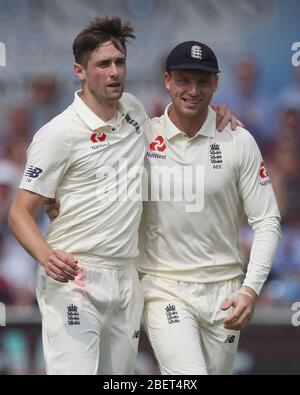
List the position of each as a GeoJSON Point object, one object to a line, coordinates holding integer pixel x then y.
{"type": "Point", "coordinates": [59, 265]}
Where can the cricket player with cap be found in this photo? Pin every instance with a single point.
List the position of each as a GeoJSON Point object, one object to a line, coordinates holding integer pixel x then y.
{"type": "Point", "coordinates": [89, 158]}
{"type": "Point", "coordinates": [200, 184]}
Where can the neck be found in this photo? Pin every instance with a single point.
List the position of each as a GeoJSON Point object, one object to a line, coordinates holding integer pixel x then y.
{"type": "Point", "coordinates": [104, 110]}
{"type": "Point", "coordinates": [188, 125]}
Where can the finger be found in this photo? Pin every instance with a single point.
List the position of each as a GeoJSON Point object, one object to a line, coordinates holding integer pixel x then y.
{"type": "Point", "coordinates": [52, 213]}
{"type": "Point", "coordinates": [233, 326]}
{"type": "Point", "coordinates": [220, 111]}
{"type": "Point", "coordinates": [241, 318]}
{"type": "Point", "coordinates": [67, 259]}
{"type": "Point", "coordinates": [72, 264]}
{"type": "Point", "coordinates": [63, 266]}
{"type": "Point", "coordinates": [235, 316]}
{"type": "Point", "coordinates": [47, 208]}
{"type": "Point", "coordinates": [245, 318]}
{"type": "Point", "coordinates": [68, 276]}
{"type": "Point", "coordinates": [226, 304]}
{"type": "Point", "coordinates": [50, 201]}
{"type": "Point", "coordinates": [233, 122]}
{"type": "Point", "coordinates": [68, 272]}
{"type": "Point", "coordinates": [239, 123]}
{"type": "Point", "coordinates": [54, 207]}
{"type": "Point", "coordinates": [56, 277]}
{"type": "Point", "coordinates": [71, 261]}
{"type": "Point", "coordinates": [224, 120]}
{"type": "Point", "coordinates": [241, 323]}
{"type": "Point", "coordinates": [63, 273]}
{"type": "Point", "coordinates": [72, 267]}
{"type": "Point", "coordinates": [231, 318]}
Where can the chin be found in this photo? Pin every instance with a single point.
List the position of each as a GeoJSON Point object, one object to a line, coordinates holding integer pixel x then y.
{"type": "Point", "coordinates": [189, 112]}
{"type": "Point", "coordinates": [115, 96]}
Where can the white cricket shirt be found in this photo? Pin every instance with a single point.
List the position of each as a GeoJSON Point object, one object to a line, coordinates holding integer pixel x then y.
{"type": "Point", "coordinates": [94, 169]}
{"type": "Point", "coordinates": [198, 191]}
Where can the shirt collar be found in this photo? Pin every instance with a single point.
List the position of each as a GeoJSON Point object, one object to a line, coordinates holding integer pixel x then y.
{"type": "Point", "coordinates": [90, 118]}
{"type": "Point", "coordinates": [208, 129]}
{"type": "Point", "coordinates": [123, 106]}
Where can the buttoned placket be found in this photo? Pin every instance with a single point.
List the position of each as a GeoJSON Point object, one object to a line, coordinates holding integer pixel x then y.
{"type": "Point", "coordinates": [188, 142]}
{"type": "Point", "coordinates": [120, 119]}
{"type": "Point", "coordinates": [115, 127]}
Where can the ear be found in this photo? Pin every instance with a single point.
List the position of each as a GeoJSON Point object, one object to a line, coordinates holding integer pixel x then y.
{"type": "Point", "coordinates": [167, 80]}
{"type": "Point", "coordinates": [79, 71]}
{"type": "Point", "coordinates": [216, 82]}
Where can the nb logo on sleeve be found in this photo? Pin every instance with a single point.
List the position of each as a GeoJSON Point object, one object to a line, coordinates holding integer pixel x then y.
{"type": "Point", "coordinates": [33, 172]}
{"type": "Point", "coordinates": [230, 339]}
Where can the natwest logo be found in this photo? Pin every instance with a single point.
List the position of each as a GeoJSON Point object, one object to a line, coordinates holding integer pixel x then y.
{"type": "Point", "coordinates": [158, 144]}
{"type": "Point", "coordinates": [263, 172]}
{"type": "Point", "coordinates": [98, 137]}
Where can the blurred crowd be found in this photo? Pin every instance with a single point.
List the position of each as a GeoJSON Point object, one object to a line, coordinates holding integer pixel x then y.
{"type": "Point", "coordinates": [274, 122]}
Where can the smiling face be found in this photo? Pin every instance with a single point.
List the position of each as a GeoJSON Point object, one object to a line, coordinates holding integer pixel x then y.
{"type": "Point", "coordinates": [191, 91]}
{"type": "Point", "coordinates": [104, 75]}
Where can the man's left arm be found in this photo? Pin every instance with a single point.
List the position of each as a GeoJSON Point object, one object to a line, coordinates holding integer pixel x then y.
{"type": "Point", "coordinates": [263, 215]}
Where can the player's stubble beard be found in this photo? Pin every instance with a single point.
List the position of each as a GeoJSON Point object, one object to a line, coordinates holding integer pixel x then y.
{"type": "Point", "coordinates": [107, 96]}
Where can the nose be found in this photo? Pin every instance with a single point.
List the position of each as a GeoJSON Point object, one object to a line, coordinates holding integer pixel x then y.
{"type": "Point", "coordinates": [114, 70]}
{"type": "Point", "coordinates": [194, 90]}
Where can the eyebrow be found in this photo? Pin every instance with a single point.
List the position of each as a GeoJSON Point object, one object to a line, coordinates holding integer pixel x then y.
{"type": "Point", "coordinates": [106, 60]}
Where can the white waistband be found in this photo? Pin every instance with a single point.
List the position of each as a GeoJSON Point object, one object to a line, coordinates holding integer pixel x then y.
{"type": "Point", "coordinates": [93, 261]}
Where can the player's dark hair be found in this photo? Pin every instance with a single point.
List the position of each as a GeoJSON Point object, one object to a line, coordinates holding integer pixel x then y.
{"type": "Point", "coordinates": [99, 31]}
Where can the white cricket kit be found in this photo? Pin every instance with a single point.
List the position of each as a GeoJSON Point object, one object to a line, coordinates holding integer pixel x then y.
{"type": "Point", "coordinates": [202, 186]}
{"type": "Point", "coordinates": [94, 169]}
{"type": "Point", "coordinates": [198, 191]}
{"type": "Point", "coordinates": [91, 325]}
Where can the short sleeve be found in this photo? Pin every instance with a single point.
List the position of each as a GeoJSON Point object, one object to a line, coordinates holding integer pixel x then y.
{"type": "Point", "coordinates": [48, 158]}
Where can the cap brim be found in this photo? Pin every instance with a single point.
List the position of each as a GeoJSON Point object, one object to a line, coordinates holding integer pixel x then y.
{"type": "Point", "coordinates": [191, 66]}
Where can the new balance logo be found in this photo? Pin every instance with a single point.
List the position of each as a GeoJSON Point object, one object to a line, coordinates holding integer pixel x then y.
{"type": "Point", "coordinates": [136, 334]}
{"type": "Point", "coordinates": [172, 314]}
{"type": "Point", "coordinates": [230, 339]}
{"type": "Point", "coordinates": [33, 172]}
{"type": "Point", "coordinates": [73, 315]}
{"type": "Point", "coordinates": [158, 144]}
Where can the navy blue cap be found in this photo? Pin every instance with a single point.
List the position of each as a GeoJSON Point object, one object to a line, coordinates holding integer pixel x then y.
{"type": "Point", "coordinates": [192, 55]}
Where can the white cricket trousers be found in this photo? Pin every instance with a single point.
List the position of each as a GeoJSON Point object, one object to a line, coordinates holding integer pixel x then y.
{"type": "Point", "coordinates": [184, 324]}
{"type": "Point", "coordinates": [91, 325]}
